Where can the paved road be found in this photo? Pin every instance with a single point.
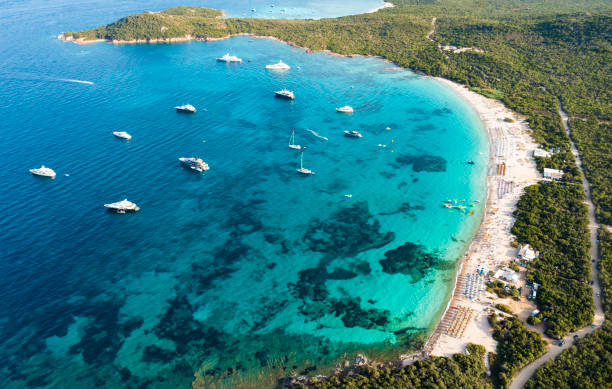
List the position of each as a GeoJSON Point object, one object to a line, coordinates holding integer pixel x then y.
{"type": "Point", "coordinates": [523, 376]}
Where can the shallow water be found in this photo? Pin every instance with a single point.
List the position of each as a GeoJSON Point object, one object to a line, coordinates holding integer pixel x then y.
{"type": "Point", "coordinates": [248, 268]}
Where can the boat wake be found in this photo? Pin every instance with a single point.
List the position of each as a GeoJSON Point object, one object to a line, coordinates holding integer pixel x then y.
{"type": "Point", "coordinates": [77, 81]}
{"type": "Point", "coordinates": [317, 135]}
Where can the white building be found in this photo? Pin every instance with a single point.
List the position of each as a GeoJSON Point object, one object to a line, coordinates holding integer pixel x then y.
{"type": "Point", "coordinates": [553, 174]}
{"type": "Point", "coordinates": [541, 153]}
{"type": "Point", "coordinates": [507, 275]}
{"type": "Point", "coordinates": [527, 253]}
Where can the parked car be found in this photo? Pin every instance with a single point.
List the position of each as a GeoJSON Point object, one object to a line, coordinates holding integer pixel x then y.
{"type": "Point", "coordinates": [561, 343]}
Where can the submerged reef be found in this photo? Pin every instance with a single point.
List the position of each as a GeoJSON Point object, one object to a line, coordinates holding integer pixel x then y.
{"type": "Point", "coordinates": [410, 259]}
{"type": "Point", "coordinates": [423, 163]}
{"type": "Point", "coordinates": [347, 232]}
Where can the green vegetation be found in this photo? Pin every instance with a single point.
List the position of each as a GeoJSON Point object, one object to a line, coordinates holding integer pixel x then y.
{"type": "Point", "coordinates": [516, 347]}
{"type": "Point", "coordinates": [537, 55]}
{"type": "Point", "coordinates": [460, 371]}
{"type": "Point", "coordinates": [503, 308]}
{"type": "Point", "coordinates": [588, 363]}
{"type": "Point", "coordinates": [552, 218]}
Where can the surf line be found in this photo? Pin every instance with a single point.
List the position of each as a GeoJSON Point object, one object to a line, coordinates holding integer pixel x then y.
{"type": "Point", "coordinates": [317, 135]}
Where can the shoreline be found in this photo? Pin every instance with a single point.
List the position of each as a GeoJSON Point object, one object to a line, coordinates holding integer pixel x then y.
{"type": "Point", "coordinates": [514, 141]}
{"type": "Point", "coordinates": [386, 4]}
{"type": "Point", "coordinates": [510, 143]}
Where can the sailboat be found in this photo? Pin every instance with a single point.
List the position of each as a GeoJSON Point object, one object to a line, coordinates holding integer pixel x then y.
{"type": "Point", "coordinates": [292, 142]}
{"type": "Point", "coordinates": [302, 169]}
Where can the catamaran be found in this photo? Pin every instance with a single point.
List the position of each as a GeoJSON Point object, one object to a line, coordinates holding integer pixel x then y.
{"type": "Point", "coordinates": [278, 66]}
{"type": "Point", "coordinates": [292, 142]}
{"type": "Point", "coordinates": [345, 109]}
{"type": "Point", "coordinates": [43, 172]}
{"type": "Point", "coordinates": [229, 58]}
{"type": "Point", "coordinates": [302, 169]}
{"type": "Point", "coordinates": [122, 134]}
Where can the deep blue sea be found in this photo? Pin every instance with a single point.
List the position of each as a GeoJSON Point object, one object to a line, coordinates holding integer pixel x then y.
{"type": "Point", "coordinates": [244, 273]}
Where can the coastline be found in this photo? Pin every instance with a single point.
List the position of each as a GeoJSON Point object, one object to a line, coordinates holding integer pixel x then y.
{"type": "Point", "coordinates": [509, 143]}
{"type": "Point", "coordinates": [386, 4]}
{"type": "Point", "coordinates": [490, 248]}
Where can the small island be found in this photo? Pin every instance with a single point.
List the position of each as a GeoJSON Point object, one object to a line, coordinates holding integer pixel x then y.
{"type": "Point", "coordinates": [172, 25]}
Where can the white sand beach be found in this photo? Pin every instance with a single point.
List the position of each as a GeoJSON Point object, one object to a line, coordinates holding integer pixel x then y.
{"type": "Point", "coordinates": [511, 168]}
{"type": "Point", "coordinates": [385, 5]}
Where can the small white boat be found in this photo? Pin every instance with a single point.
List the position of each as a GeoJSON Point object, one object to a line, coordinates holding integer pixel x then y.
{"type": "Point", "coordinates": [345, 109]}
{"type": "Point", "coordinates": [194, 164]}
{"type": "Point", "coordinates": [229, 58]}
{"type": "Point", "coordinates": [278, 66]}
{"type": "Point", "coordinates": [122, 206]}
{"type": "Point", "coordinates": [284, 94]}
{"type": "Point", "coordinates": [122, 134]}
{"type": "Point", "coordinates": [187, 108]}
{"type": "Point", "coordinates": [292, 142]}
{"type": "Point", "coordinates": [302, 169]}
{"type": "Point", "coordinates": [43, 172]}
{"type": "Point", "coordinates": [352, 134]}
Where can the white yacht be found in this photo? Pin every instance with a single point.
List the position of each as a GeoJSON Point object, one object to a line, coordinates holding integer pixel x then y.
{"type": "Point", "coordinates": [187, 108]}
{"type": "Point", "coordinates": [43, 172]}
{"type": "Point", "coordinates": [292, 142]}
{"type": "Point", "coordinates": [345, 109]}
{"type": "Point", "coordinates": [122, 206]}
{"type": "Point", "coordinates": [278, 66]}
{"type": "Point", "coordinates": [122, 134]}
{"type": "Point", "coordinates": [353, 134]}
{"type": "Point", "coordinates": [194, 164]}
{"type": "Point", "coordinates": [285, 94]}
{"type": "Point", "coordinates": [302, 169]}
{"type": "Point", "coordinates": [229, 58]}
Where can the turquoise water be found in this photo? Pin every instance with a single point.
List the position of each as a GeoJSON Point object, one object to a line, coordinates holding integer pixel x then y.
{"type": "Point", "coordinates": [248, 268]}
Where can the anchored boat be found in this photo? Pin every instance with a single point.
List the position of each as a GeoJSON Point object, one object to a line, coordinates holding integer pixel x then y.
{"type": "Point", "coordinates": [229, 58]}
{"type": "Point", "coordinates": [122, 134]}
{"type": "Point", "coordinates": [278, 66]}
{"type": "Point", "coordinates": [285, 94]}
{"type": "Point", "coordinates": [43, 172]}
{"type": "Point", "coordinates": [194, 164]}
{"type": "Point", "coordinates": [353, 134]}
{"type": "Point", "coordinates": [187, 108]}
{"type": "Point", "coordinates": [122, 206]}
{"type": "Point", "coordinates": [302, 169]}
{"type": "Point", "coordinates": [345, 109]}
{"type": "Point", "coordinates": [292, 142]}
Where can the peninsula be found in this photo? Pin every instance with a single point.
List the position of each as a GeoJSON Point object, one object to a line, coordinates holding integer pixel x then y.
{"type": "Point", "coordinates": [546, 61]}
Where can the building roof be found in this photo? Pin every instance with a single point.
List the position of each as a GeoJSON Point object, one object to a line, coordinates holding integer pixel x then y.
{"type": "Point", "coordinates": [527, 253]}
{"type": "Point", "coordinates": [541, 153]}
{"type": "Point", "coordinates": [553, 173]}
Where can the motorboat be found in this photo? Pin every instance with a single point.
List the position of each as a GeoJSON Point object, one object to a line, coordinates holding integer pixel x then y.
{"type": "Point", "coordinates": [353, 134]}
{"type": "Point", "coordinates": [122, 206]}
{"type": "Point", "coordinates": [187, 108]}
{"type": "Point", "coordinates": [43, 172]}
{"type": "Point", "coordinates": [278, 66]}
{"type": "Point", "coordinates": [302, 169]}
{"type": "Point", "coordinates": [345, 109]}
{"type": "Point", "coordinates": [285, 94]}
{"type": "Point", "coordinates": [292, 142]}
{"type": "Point", "coordinates": [194, 164]}
{"type": "Point", "coordinates": [229, 58]}
{"type": "Point", "coordinates": [122, 135]}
